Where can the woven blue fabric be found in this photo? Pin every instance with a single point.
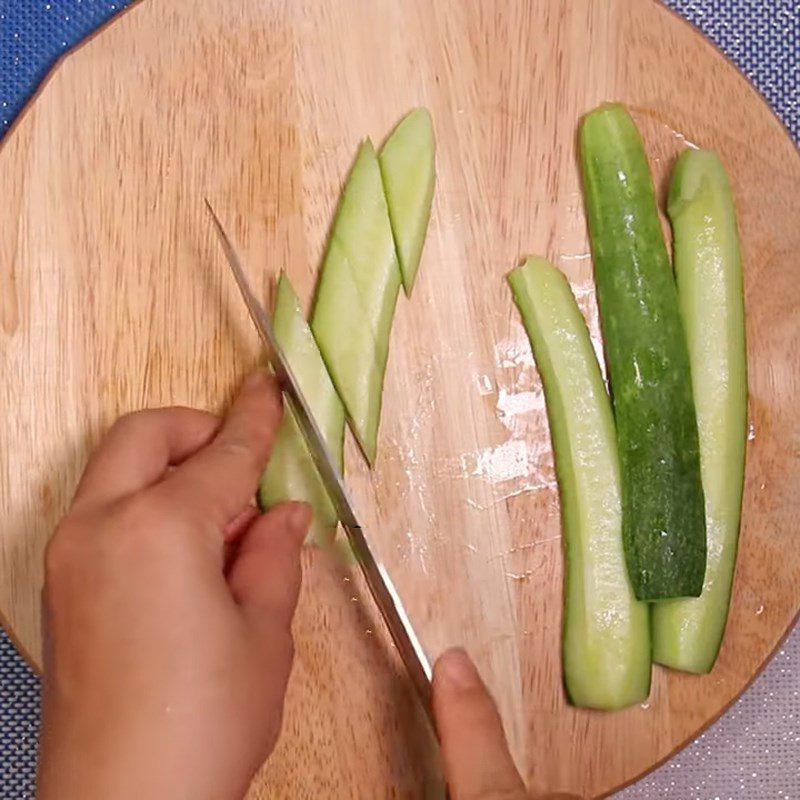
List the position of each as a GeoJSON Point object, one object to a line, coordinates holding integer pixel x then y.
{"type": "Point", "coordinates": [33, 34]}
{"type": "Point", "coordinates": [19, 723]}
{"type": "Point", "coordinates": [762, 38]}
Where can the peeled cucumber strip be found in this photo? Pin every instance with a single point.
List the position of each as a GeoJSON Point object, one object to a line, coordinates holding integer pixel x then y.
{"type": "Point", "coordinates": [346, 342]}
{"type": "Point", "coordinates": [364, 234]}
{"type": "Point", "coordinates": [407, 162]}
{"type": "Point", "coordinates": [606, 635]}
{"type": "Point", "coordinates": [291, 473]}
{"type": "Point", "coordinates": [356, 298]}
{"type": "Point", "coordinates": [663, 519]}
{"type": "Point", "coordinates": [687, 634]}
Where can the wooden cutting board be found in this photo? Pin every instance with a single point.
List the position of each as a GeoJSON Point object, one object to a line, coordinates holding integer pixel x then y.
{"type": "Point", "coordinates": [113, 296]}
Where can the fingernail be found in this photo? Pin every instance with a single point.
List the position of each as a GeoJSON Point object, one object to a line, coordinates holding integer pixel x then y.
{"type": "Point", "coordinates": [300, 518]}
{"type": "Point", "coordinates": [457, 670]}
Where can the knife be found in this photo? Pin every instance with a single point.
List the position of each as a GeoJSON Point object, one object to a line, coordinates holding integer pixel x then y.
{"type": "Point", "coordinates": [380, 584]}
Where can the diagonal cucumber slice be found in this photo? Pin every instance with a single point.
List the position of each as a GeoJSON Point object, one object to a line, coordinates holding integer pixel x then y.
{"type": "Point", "coordinates": [291, 474]}
{"type": "Point", "coordinates": [407, 162]}
{"type": "Point", "coordinates": [606, 637]}
{"type": "Point", "coordinates": [687, 633]}
{"type": "Point", "coordinates": [363, 232]}
{"type": "Point", "coordinates": [356, 298]}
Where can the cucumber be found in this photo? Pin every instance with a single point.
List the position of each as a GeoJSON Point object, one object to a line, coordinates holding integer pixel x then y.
{"type": "Point", "coordinates": [356, 298]}
{"type": "Point", "coordinates": [606, 636]}
{"type": "Point", "coordinates": [663, 521]}
{"type": "Point", "coordinates": [345, 342]}
{"type": "Point", "coordinates": [407, 162]}
{"type": "Point", "coordinates": [687, 633]}
{"type": "Point", "coordinates": [291, 473]}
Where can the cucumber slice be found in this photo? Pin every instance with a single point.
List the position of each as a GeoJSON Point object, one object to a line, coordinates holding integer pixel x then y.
{"type": "Point", "coordinates": [407, 162]}
{"type": "Point", "coordinates": [291, 473]}
{"type": "Point", "coordinates": [687, 633]}
{"type": "Point", "coordinates": [356, 298]}
{"type": "Point", "coordinates": [364, 234]}
{"type": "Point", "coordinates": [346, 342]}
{"type": "Point", "coordinates": [663, 520]}
{"type": "Point", "coordinates": [606, 644]}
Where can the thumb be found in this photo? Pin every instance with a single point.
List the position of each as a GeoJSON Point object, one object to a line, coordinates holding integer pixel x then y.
{"type": "Point", "coordinates": [221, 478]}
{"type": "Point", "coordinates": [477, 762]}
{"type": "Point", "coordinates": [265, 574]}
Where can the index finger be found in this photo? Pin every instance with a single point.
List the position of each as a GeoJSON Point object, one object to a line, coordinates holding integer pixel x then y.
{"type": "Point", "coordinates": [222, 478]}
{"type": "Point", "coordinates": [468, 725]}
{"type": "Point", "coordinates": [139, 447]}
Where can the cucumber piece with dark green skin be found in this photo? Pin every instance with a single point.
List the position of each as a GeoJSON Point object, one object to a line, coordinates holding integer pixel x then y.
{"type": "Point", "coordinates": [663, 519]}
{"type": "Point", "coordinates": [356, 298]}
{"type": "Point", "coordinates": [291, 473]}
{"type": "Point", "coordinates": [606, 634]}
{"type": "Point", "coordinates": [687, 634]}
{"type": "Point", "coordinates": [407, 162]}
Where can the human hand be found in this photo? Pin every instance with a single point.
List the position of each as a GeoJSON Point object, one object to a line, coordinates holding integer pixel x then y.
{"type": "Point", "coordinates": [168, 605]}
{"type": "Point", "coordinates": [476, 758]}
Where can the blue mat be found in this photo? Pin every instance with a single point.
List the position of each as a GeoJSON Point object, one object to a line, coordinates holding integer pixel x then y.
{"type": "Point", "coordinates": [761, 36]}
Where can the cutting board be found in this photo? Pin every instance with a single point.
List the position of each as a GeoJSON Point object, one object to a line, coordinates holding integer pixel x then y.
{"type": "Point", "coordinates": [113, 296]}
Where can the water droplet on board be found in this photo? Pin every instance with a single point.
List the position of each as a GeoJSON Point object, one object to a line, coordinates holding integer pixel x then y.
{"type": "Point", "coordinates": [760, 610]}
{"type": "Point", "coordinates": [751, 432]}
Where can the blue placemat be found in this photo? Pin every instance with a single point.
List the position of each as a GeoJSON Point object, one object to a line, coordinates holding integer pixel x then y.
{"type": "Point", "coordinates": [761, 36]}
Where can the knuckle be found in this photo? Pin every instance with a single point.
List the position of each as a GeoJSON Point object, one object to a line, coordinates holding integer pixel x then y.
{"type": "Point", "coordinates": [61, 552]}
{"type": "Point", "coordinates": [240, 452]}
{"type": "Point", "coordinates": [143, 517]}
{"type": "Point", "coordinates": [129, 422]}
{"type": "Point", "coordinates": [133, 534]}
{"type": "Point", "coordinates": [133, 518]}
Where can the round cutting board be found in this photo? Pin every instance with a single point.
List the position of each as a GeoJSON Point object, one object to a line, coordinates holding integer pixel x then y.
{"type": "Point", "coordinates": [114, 296]}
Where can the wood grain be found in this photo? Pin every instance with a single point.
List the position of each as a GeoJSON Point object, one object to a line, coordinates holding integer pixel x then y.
{"type": "Point", "coordinates": [113, 297]}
